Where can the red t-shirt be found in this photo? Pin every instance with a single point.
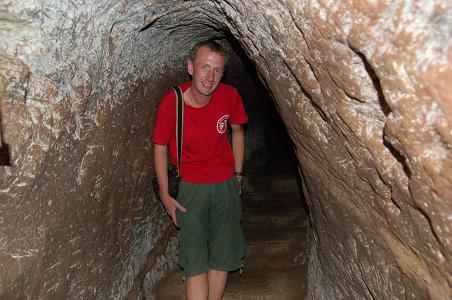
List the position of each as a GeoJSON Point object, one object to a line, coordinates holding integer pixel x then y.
{"type": "Point", "coordinates": [206, 152]}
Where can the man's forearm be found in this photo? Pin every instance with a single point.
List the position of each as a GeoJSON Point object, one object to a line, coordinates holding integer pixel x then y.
{"type": "Point", "coordinates": [161, 167]}
{"type": "Point", "coordinates": [238, 147]}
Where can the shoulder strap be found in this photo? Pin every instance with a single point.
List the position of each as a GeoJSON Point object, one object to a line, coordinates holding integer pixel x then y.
{"type": "Point", "coordinates": [179, 124]}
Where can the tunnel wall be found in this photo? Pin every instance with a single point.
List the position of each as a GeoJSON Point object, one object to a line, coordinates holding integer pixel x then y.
{"type": "Point", "coordinates": [363, 88]}
{"type": "Point", "coordinates": [79, 87]}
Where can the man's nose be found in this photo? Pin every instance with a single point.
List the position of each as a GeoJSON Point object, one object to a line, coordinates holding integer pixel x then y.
{"type": "Point", "coordinates": [210, 74]}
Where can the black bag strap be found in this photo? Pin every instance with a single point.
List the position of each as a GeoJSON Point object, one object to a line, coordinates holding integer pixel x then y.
{"type": "Point", "coordinates": [179, 124]}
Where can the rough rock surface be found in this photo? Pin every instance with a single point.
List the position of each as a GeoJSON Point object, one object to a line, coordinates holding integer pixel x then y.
{"type": "Point", "coordinates": [362, 86]}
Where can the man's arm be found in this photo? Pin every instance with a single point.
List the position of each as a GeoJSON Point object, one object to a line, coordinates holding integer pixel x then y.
{"type": "Point", "coordinates": [238, 149]}
{"type": "Point", "coordinates": [161, 170]}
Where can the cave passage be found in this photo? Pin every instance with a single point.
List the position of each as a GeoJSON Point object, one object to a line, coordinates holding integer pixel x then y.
{"type": "Point", "coordinates": [349, 106]}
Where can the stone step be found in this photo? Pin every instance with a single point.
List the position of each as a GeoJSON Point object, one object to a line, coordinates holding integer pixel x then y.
{"type": "Point", "coordinates": [172, 287]}
{"type": "Point", "coordinates": [285, 284]}
{"type": "Point", "coordinates": [274, 183]}
{"type": "Point", "coordinates": [275, 249]}
{"type": "Point", "coordinates": [272, 200]}
{"type": "Point", "coordinates": [278, 217]}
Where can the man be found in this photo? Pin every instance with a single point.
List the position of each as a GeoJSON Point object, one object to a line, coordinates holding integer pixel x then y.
{"type": "Point", "coordinates": [207, 209]}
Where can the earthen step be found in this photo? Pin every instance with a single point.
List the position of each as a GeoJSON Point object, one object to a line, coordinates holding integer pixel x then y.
{"type": "Point", "coordinates": [275, 250]}
{"type": "Point", "coordinates": [286, 284]}
{"type": "Point", "coordinates": [283, 284]}
{"type": "Point", "coordinates": [271, 200]}
{"type": "Point", "coordinates": [280, 217]}
{"type": "Point", "coordinates": [172, 287]}
{"type": "Point", "coordinates": [274, 183]}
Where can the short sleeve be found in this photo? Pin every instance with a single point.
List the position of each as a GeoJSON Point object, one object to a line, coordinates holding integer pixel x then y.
{"type": "Point", "coordinates": [238, 114]}
{"type": "Point", "coordinates": [164, 127]}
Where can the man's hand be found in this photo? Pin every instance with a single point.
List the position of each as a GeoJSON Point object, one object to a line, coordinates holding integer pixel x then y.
{"type": "Point", "coordinates": [171, 205]}
{"type": "Point", "coordinates": [240, 182]}
{"type": "Point", "coordinates": [238, 150]}
{"type": "Point", "coordinates": [161, 170]}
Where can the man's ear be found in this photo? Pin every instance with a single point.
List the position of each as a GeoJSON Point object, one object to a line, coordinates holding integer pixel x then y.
{"type": "Point", "coordinates": [190, 67]}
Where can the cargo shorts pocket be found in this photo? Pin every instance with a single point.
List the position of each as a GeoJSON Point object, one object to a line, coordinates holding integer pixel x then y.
{"type": "Point", "coordinates": [180, 198]}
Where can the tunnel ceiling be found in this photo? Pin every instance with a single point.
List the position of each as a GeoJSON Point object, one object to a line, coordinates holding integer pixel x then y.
{"type": "Point", "coordinates": [363, 88]}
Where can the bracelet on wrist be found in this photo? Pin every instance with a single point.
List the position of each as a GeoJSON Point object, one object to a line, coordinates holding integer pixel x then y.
{"type": "Point", "coordinates": [238, 173]}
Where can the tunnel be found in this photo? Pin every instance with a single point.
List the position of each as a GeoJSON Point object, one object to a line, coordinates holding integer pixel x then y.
{"type": "Point", "coordinates": [361, 88]}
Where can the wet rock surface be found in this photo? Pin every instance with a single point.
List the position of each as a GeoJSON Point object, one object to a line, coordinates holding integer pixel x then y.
{"type": "Point", "coordinates": [363, 89]}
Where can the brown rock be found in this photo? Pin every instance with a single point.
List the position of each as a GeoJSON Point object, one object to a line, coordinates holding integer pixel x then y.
{"type": "Point", "coordinates": [363, 89]}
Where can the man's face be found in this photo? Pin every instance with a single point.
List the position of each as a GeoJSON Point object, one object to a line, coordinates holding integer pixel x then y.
{"type": "Point", "coordinates": [206, 71]}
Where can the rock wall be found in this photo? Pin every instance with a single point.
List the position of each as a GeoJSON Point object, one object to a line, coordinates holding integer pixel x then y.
{"type": "Point", "coordinates": [361, 86]}
{"type": "Point", "coordinates": [363, 89]}
{"type": "Point", "coordinates": [80, 84]}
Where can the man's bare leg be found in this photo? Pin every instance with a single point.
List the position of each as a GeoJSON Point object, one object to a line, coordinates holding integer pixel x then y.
{"type": "Point", "coordinates": [217, 283]}
{"type": "Point", "coordinates": [196, 287]}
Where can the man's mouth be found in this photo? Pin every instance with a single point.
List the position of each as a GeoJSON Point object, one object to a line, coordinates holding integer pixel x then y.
{"type": "Point", "coordinates": [207, 85]}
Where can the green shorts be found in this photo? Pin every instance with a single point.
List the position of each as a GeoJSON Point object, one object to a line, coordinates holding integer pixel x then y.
{"type": "Point", "coordinates": [210, 233]}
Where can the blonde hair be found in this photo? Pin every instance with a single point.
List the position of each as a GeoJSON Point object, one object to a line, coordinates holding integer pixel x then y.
{"type": "Point", "coordinates": [212, 45]}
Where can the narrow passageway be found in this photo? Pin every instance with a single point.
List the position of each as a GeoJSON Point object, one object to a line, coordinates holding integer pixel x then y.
{"type": "Point", "coordinates": [363, 90]}
{"type": "Point", "coordinates": [275, 224]}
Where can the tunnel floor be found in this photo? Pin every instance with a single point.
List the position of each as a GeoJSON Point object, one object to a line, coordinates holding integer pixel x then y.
{"type": "Point", "coordinates": [275, 225]}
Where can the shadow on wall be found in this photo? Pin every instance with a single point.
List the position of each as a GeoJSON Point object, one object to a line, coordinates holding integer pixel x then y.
{"type": "Point", "coordinates": [268, 142]}
{"type": "Point", "coordinates": [5, 159]}
{"type": "Point", "coordinates": [269, 148]}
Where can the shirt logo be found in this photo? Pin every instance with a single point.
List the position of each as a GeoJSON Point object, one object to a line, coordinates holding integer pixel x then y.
{"type": "Point", "coordinates": [222, 124]}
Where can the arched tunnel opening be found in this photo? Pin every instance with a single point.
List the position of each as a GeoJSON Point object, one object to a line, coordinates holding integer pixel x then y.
{"type": "Point", "coordinates": [362, 90]}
